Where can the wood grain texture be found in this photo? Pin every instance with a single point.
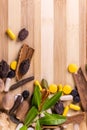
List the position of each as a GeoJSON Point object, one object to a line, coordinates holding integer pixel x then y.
{"type": "Point", "coordinates": [37, 39]}
{"type": "Point", "coordinates": [47, 39]}
{"type": "Point", "coordinates": [3, 27]}
{"type": "Point", "coordinates": [60, 41]}
{"type": "Point", "coordinates": [57, 32]}
{"type": "Point", "coordinates": [69, 41]}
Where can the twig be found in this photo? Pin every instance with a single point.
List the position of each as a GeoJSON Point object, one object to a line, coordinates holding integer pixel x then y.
{"type": "Point", "coordinates": [22, 82]}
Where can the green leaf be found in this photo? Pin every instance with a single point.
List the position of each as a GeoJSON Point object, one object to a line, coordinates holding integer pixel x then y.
{"type": "Point", "coordinates": [55, 115]}
{"type": "Point", "coordinates": [51, 101]}
{"type": "Point", "coordinates": [38, 127]}
{"type": "Point", "coordinates": [24, 127]}
{"type": "Point", "coordinates": [36, 100]}
{"type": "Point", "coordinates": [33, 112]}
{"type": "Point", "coordinates": [52, 119]}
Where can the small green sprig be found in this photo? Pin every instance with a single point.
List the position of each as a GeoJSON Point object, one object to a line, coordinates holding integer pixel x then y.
{"type": "Point", "coordinates": [48, 119]}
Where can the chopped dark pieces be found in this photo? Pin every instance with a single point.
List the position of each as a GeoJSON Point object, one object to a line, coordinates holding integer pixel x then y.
{"type": "Point", "coordinates": [4, 68]}
{"type": "Point", "coordinates": [76, 99]}
{"type": "Point", "coordinates": [25, 94]}
{"type": "Point", "coordinates": [11, 74]}
{"type": "Point", "coordinates": [24, 66]}
{"type": "Point", "coordinates": [16, 104]}
{"type": "Point", "coordinates": [74, 92]}
{"type": "Point", "coordinates": [59, 108]}
{"type": "Point", "coordinates": [23, 34]}
{"type": "Point", "coordinates": [14, 119]}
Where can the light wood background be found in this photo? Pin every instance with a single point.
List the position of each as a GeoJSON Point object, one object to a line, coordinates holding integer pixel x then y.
{"type": "Point", "coordinates": [57, 32]}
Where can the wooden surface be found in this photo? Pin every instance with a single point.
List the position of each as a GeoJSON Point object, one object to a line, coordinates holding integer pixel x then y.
{"type": "Point", "coordinates": [57, 32]}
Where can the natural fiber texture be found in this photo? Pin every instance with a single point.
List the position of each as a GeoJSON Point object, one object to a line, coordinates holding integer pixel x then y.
{"type": "Point", "coordinates": [26, 52]}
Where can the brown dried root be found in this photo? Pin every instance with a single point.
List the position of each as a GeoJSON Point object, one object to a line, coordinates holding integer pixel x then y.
{"type": "Point", "coordinates": [81, 85]}
{"type": "Point", "coordinates": [26, 52]}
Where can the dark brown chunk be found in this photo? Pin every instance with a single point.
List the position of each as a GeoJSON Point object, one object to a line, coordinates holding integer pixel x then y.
{"type": "Point", "coordinates": [16, 104]}
{"type": "Point", "coordinates": [24, 66]}
{"type": "Point", "coordinates": [23, 34]}
{"type": "Point", "coordinates": [25, 53]}
{"type": "Point", "coordinates": [21, 82]}
{"type": "Point", "coordinates": [81, 85]}
{"type": "Point", "coordinates": [4, 68]}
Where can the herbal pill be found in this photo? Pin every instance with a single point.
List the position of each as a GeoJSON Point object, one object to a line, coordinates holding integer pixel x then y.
{"type": "Point", "coordinates": [7, 84]}
{"type": "Point", "coordinates": [76, 99]}
{"type": "Point", "coordinates": [30, 128]}
{"type": "Point", "coordinates": [76, 126]}
{"type": "Point", "coordinates": [53, 88]}
{"type": "Point", "coordinates": [60, 87]}
{"type": "Point", "coordinates": [72, 68]}
{"type": "Point", "coordinates": [19, 126]}
{"type": "Point", "coordinates": [13, 65]}
{"type": "Point", "coordinates": [38, 84]}
{"type": "Point", "coordinates": [25, 94]}
{"type": "Point", "coordinates": [11, 74]}
{"type": "Point", "coordinates": [74, 107]}
{"type": "Point", "coordinates": [66, 98]}
{"type": "Point", "coordinates": [11, 34]}
{"type": "Point", "coordinates": [67, 89]}
{"type": "Point", "coordinates": [66, 109]}
{"type": "Point", "coordinates": [74, 92]}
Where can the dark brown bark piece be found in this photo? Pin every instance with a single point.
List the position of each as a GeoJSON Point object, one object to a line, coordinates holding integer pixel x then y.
{"type": "Point", "coordinates": [16, 104]}
{"type": "Point", "coordinates": [23, 34]}
{"type": "Point", "coordinates": [25, 53]}
{"type": "Point", "coordinates": [21, 82]}
{"type": "Point", "coordinates": [81, 85]}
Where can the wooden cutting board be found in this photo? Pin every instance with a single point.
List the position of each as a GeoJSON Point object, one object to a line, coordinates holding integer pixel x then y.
{"type": "Point", "coordinates": [57, 32]}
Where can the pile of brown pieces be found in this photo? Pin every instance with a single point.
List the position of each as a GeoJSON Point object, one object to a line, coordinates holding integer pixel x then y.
{"type": "Point", "coordinates": [11, 102]}
{"type": "Point", "coordinates": [18, 107]}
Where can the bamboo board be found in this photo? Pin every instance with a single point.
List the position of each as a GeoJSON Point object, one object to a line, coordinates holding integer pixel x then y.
{"type": "Point", "coordinates": [57, 32]}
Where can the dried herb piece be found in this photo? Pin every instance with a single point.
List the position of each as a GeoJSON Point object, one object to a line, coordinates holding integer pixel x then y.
{"type": "Point", "coordinates": [45, 93]}
{"type": "Point", "coordinates": [26, 52]}
{"type": "Point", "coordinates": [81, 85]}
{"type": "Point", "coordinates": [16, 104]}
{"type": "Point", "coordinates": [4, 68]}
{"type": "Point", "coordinates": [59, 108]}
{"type": "Point", "coordinates": [8, 101]}
{"type": "Point", "coordinates": [22, 110]}
{"type": "Point", "coordinates": [24, 66]}
{"type": "Point", "coordinates": [21, 82]}
{"type": "Point", "coordinates": [44, 83]}
{"type": "Point", "coordinates": [23, 34]}
{"type": "Point", "coordinates": [14, 119]}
